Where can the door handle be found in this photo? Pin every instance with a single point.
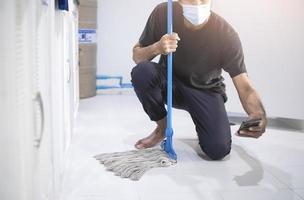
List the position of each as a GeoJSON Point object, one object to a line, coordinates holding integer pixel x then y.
{"type": "Point", "coordinates": [39, 134]}
{"type": "Point", "coordinates": [70, 71]}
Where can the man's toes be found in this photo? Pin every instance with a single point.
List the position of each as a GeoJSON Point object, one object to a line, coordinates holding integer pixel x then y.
{"type": "Point", "coordinates": [139, 145]}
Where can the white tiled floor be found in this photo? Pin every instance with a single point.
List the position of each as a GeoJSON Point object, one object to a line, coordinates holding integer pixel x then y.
{"type": "Point", "coordinates": [300, 192]}
{"type": "Point", "coordinates": [270, 168]}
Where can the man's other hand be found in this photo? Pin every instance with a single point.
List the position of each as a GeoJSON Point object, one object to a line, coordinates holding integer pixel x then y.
{"type": "Point", "coordinates": [255, 131]}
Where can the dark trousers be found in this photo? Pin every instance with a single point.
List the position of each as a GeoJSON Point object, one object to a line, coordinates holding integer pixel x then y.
{"type": "Point", "coordinates": [206, 108]}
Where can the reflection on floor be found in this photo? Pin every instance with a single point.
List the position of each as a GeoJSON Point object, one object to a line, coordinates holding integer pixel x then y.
{"type": "Point", "coordinates": [270, 168]}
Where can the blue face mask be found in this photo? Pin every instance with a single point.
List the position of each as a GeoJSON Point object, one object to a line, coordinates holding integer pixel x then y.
{"type": "Point", "coordinates": [196, 14]}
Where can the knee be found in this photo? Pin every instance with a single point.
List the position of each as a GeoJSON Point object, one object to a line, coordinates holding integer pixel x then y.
{"type": "Point", "coordinates": [216, 151]}
{"type": "Point", "coordinates": [143, 74]}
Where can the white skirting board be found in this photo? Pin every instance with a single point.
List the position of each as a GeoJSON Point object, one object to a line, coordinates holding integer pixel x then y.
{"type": "Point", "coordinates": [273, 122]}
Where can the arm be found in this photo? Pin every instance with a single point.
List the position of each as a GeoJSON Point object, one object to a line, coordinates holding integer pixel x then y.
{"type": "Point", "coordinates": [167, 44]}
{"type": "Point", "coordinates": [252, 104]}
{"type": "Point", "coordinates": [141, 54]}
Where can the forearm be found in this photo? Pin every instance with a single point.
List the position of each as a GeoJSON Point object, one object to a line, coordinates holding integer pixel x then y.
{"type": "Point", "coordinates": [141, 54]}
{"type": "Point", "coordinates": [252, 103]}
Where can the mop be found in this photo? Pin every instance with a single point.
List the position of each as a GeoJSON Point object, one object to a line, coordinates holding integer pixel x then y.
{"type": "Point", "coordinates": [133, 164]}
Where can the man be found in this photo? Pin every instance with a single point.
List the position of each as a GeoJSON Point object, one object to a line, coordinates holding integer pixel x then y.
{"type": "Point", "coordinates": [203, 44]}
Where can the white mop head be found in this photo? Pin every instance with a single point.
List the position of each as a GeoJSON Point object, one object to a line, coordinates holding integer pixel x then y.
{"type": "Point", "coordinates": [133, 164]}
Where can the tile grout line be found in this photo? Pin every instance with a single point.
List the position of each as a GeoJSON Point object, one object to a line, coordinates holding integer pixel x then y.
{"type": "Point", "coordinates": [296, 193]}
{"type": "Point", "coordinates": [288, 187]}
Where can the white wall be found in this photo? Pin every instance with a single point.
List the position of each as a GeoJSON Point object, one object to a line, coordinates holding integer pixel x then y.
{"type": "Point", "coordinates": [271, 31]}
{"type": "Point", "coordinates": [272, 35]}
{"type": "Point", "coordinates": [120, 24]}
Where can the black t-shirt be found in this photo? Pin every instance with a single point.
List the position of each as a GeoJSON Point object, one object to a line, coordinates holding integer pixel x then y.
{"type": "Point", "coordinates": [201, 54]}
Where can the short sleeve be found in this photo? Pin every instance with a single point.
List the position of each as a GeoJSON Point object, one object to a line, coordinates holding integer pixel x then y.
{"type": "Point", "coordinates": [233, 55]}
{"type": "Point", "coordinates": [148, 36]}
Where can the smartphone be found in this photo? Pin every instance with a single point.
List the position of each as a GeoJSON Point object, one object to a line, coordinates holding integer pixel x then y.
{"type": "Point", "coordinates": [249, 123]}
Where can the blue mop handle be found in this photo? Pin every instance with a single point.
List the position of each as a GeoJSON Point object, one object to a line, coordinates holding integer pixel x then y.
{"type": "Point", "coordinates": [169, 60]}
{"type": "Point", "coordinates": [168, 144]}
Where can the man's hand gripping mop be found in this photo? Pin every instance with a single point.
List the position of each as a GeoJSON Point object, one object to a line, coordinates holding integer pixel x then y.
{"type": "Point", "coordinates": [133, 164]}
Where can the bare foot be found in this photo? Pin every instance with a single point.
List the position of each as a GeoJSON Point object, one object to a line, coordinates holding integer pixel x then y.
{"type": "Point", "coordinates": [156, 137]}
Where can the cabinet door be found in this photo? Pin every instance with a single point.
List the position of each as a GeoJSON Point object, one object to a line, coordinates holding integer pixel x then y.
{"type": "Point", "coordinates": [42, 154]}
{"type": "Point", "coordinates": [74, 64]}
{"type": "Point", "coordinates": [15, 103]}
{"type": "Point", "coordinates": [63, 87]}
{"type": "Point", "coordinates": [57, 104]}
{"type": "Point", "coordinates": [26, 135]}
{"type": "Point", "coordinates": [67, 64]}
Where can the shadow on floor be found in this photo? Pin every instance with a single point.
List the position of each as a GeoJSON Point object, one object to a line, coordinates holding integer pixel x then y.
{"type": "Point", "coordinates": [250, 178]}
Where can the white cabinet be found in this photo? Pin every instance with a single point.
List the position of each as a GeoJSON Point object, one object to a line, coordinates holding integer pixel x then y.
{"type": "Point", "coordinates": [38, 102]}
{"type": "Point", "coordinates": [65, 98]}
{"type": "Point", "coordinates": [16, 122]}
{"type": "Point", "coordinates": [40, 85]}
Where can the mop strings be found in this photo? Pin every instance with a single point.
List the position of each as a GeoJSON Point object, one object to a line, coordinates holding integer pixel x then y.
{"type": "Point", "coordinates": [133, 164]}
